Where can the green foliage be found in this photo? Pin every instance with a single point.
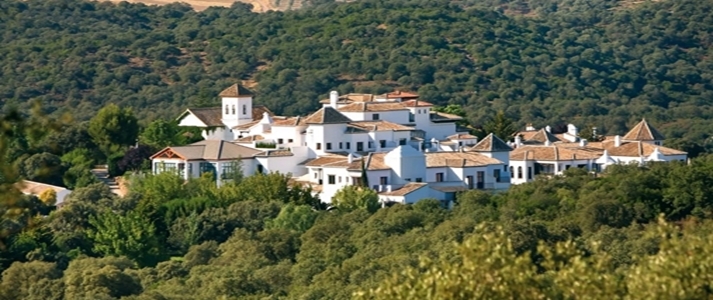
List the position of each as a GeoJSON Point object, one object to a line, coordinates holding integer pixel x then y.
{"type": "Point", "coordinates": [43, 167]}
{"type": "Point", "coordinates": [20, 279]}
{"type": "Point", "coordinates": [352, 197]}
{"type": "Point", "coordinates": [160, 134]}
{"type": "Point", "coordinates": [500, 126]}
{"type": "Point", "coordinates": [113, 129]}
{"type": "Point", "coordinates": [298, 218]}
{"type": "Point", "coordinates": [131, 235]}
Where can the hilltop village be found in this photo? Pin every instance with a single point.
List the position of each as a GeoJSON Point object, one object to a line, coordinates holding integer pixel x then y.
{"type": "Point", "coordinates": [394, 143]}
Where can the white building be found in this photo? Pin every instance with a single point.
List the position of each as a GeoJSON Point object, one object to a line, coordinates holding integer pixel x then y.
{"type": "Point", "coordinates": [542, 153]}
{"type": "Point", "coordinates": [410, 152]}
{"type": "Point", "coordinates": [37, 188]}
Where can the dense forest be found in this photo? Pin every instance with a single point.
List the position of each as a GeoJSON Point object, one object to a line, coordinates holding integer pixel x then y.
{"type": "Point", "coordinates": [603, 63]}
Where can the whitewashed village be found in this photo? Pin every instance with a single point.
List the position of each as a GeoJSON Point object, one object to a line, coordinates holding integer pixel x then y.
{"type": "Point", "coordinates": [405, 149]}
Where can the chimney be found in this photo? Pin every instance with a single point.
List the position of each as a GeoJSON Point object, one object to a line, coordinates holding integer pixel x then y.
{"type": "Point", "coordinates": [518, 141]}
{"type": "Point", "coordinates": [594, 132]}
{"type": "Point", "coordinates": [333, 98]}
{"type": "Point", "coordinates": [529, 127]}
{"type": "Point", "coordinates": [548, 143]}
{"type": "Point", "coordinates": [388, 188]}
{"type": "Point", "coordinates": [350, 158]}
{"type": "Point", "coordinates": [617, 141]}
{"type": "Point", "coordinates": [582, 142]}
{"type": "Point", "coordinates": [548, 128]}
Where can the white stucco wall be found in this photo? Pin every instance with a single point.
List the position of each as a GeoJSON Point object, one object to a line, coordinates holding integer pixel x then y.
{"type": "Point", "coordinates": [396, 116]}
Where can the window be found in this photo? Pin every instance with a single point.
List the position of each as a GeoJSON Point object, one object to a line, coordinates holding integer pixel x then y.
{"type": "Point", "coordinates": [529, 172]}
{"type": "Point", "coordinates": [279, 141]}
{"type": "Point", "coordinates": [315, 175]}
{"type": "Point", "coordinates": [260, 169]}
{"type": "Point", "coordinates": [511, 172]}
{"type": "Point", "coordinates": [566, 167]}
{"type": "Point", "coordinates": [339, 179]}
{"type": "Point", "coordinates": [439, 177]}
{"type": "Point", "coordinates": [227, 109]}
{"type": "Point", "coordinates": [519, 172]}
{"type": "Point", "coordinates": [349, 145]}
{"type": "Point", "coordinates": [469, 180]}
{"type": "Point", "coordinates": [329, 146]}
{"type": "Point", "coordinates": [340, 145]}
{"type": "Point", "coordinates": [233, 109]}
{"type": "Point", "coordinates": [190, 170]}
{"type": "Point", "coordinates": [375, 116]}
{"type": "Point", "coordinates": [360, 146]}
{"type": "Point", "coordinates": [505, 168]}
{"type": "Point", "coordinates": [419, 179]}
{"type": "Point", "coordinates": [227, 170]}
{"type": "Point", "coordinates": [330, 179]}
{"type": "Point", "coordinates": [382, 143]}
{"type": "Point", "coordinates": [319, 146]}
{"type": "Point", "coordinates": [411, 117]}
{"type": "Point", "coordinates": [496, 174]}
{"type": "Point", "coordinates": [408, 179]}
{"type": "Point", "coordinates": [289, 140]}
{"type": "Point", "coordinates": [402, 142]}
{"type": "Point", "coordinates": [384, 180]}
{"type": "Point", "coordinates": [460, 143]}
{"type": "Point", "coordinates": [371, 145]}
{"type": "Point", "coordinates": [245, 109]}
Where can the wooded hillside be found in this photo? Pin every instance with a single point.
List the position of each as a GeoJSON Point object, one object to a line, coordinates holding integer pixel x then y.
{"type": "Point", "coordinates": [587, 62]}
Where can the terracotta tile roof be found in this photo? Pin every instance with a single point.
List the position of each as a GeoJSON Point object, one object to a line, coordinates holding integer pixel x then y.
{"type": "Point", "coordinates": [327, 115]}
{"type": "Point", "coordinates": [458, 159]}
{"type": "Point", "coordinates": [637, 148]}
{"type": "Point", "coordinates": [351, 98]}
{"type": "Point", "coordinates": [416, 103]}
{"type": "Point", "coordinates": [443, 117]}
{"type": "Point", "coordinates": [37, 188]}
{"type": "Point", "coordinates": [246, 125]}
{"type": "Point", "coordinates": [491, 143]}
{"type": "Point", "coordinates": [372, 107]}
{"type": "Point", "coordinates": [449, 189]}
{"type": "Point", "coordinates": [462, 136]}
{"type": "Point", "coordinates": [291, 121]}
{"type": "Point", "coordinates": [210, 116]}
{"type": "Point", "coordinates": [209, 150]}
{"type": "Point", "coordinates": [406, 189]}
{"type": "Point", "coordinates": [250, 138]}
{"type": "Point", "coordinates": [643, 132]}
{"type": "Point", "coordinates": [213, 116]}
{"type": "Point", "coordinates": [235, 90]}
{"type": "Point", "coordinates": [275, 153]}
{"type": "Point", "coordinates": [325, 160]}
{"type": "Point", "coordinates": [539, 136]}
{"type": "Point", "coordinates": [554, 153]}
{"type": "Point", "coordinates": [400, 94]}
{"type": "Point", "coordinates": [380, 125]}
{"type": "Point", "coordinates": [260, 110]}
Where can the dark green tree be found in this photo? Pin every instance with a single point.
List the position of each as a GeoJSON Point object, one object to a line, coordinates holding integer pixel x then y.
{"type": "Point", "coordinates": [501, 126]}
{"type": "Point", "coordinates": [113, 129]}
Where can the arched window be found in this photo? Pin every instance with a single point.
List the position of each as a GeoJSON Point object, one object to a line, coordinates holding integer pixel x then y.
{"type": "Point", "coordinates": [519, 172]}
{"type": "Point", "coordinates": [226, 110]}
{"type": "Point", "coordinates": [245, 109]}
{"type": "Point", "coordinates": [511, 171]}
{"type": "Point", "coordinates": [233, 109]}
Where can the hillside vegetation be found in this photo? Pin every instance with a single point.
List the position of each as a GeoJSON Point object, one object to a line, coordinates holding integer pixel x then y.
{"type": "Point", "coordinates": [546, 62]}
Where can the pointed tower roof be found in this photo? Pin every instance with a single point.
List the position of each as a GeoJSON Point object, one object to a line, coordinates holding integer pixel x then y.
{"type": "Point", "coordinates": [643, 132]}
{"type": "Point", "coordinates": [327, 115]}
{"type": "Point", "coordinates": [235, 90]}
{"type": "Point", "coordinates": [491, 143]}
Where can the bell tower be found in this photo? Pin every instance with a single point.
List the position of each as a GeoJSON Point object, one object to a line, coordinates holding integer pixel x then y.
{"type": "Point", "coordinates": [236, 105]}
